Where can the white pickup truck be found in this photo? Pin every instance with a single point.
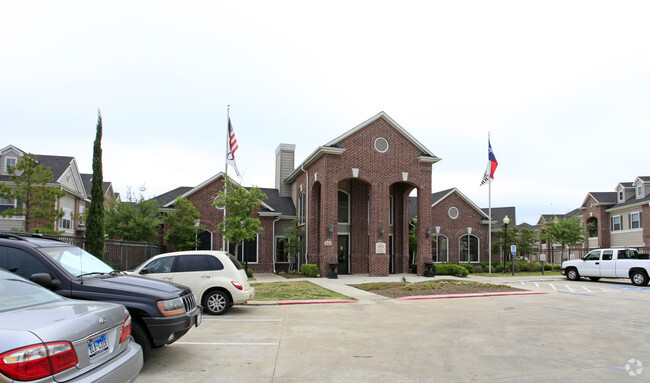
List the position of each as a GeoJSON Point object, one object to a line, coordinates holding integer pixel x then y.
{"type": "Point", "coordinates": [609, 263]}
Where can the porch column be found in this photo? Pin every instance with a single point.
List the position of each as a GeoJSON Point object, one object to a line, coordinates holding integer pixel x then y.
{"type": "Point", "coordinates": [329, 217]}
{"type": "Point", "coordinates": [378, 230]}
{"type": "Point", "coordinates": [424, 223]}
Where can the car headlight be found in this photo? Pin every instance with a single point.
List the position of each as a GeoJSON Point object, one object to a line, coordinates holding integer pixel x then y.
{"type": "Point", "coordinates": [171, 307]}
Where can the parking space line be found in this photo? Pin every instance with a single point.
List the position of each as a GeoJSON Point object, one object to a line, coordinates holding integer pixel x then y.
{"type": "Point", "coordinates": [553, 286]}
{"type": "Point", "coordinates": [227, 344]}
{"type": "Point", "coordinates": [585, 287]}
{"type": "Point", "coordinates": [569, 288]}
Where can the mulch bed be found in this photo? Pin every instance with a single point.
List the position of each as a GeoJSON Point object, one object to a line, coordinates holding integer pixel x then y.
{"type": "Point", "coordinates": [439, 287]}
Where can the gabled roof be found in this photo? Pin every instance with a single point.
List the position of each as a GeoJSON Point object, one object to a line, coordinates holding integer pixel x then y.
{"type": "Point", "coordinates": [11, 147]}
{"type": "Point", "coordinates": [88, 184]}
{"type": "Point", "coordinates": [333, 146]}
{"type": "Point", "coordinates": [601, 198]}
{"type": "Point", "coordinates": [549, 217]}
{"type": "Point", "coordinates": [499, 213]}
{"type": "Point", "coordinates": [437, 197]}
{"type": "Point", "coordinates": [58, 164]}
{"type": "Point", "coordinates": [167, 199]}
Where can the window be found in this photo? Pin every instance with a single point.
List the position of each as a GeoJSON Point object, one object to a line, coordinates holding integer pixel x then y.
{"type": "Point", "coordinates": [639, 191]}
{"type": "Point", "coordinates": [453, 212]}
{"type": "Point", "coordinates": [246, 251]}
{"type": "Point", "coordinates": [6, 204]}
{"type": "Point", "coordinates": [10, 161]}
{"type": "Point", "coordinates": [468, 248]}
{"type": "Point", "coordinates": [66, 220]}
{"type": "Point", "coordinates": [301, 208]}
{"type": "Point", "coordinates": [620, 196]}
{"type": "Point", "coordinates": [21, 262]}
{"type": "Point", "coordinates": [160, 265]}
{"type": "Point", "coordinates": [617, 223]}
{"type": "Point", "coordinates": [635, 220]}
{"type": "Point", "coordinates": [281, 254]}
{"type": "Point", "coordinates": [187, 263]}
{"type": "Point", "coordinates": [214, 263]}
{"type": "Point", "coordinates": [381, 145]}
{"type": "Point", "coordinates": [608, 255]}
{"type": "Point", "coordinates": [441, 247]}
{"type": "Point", "coordinates": [344, 207]}
{"type": "Point", "coordinates": [82, 209]}
{"type": "Point", "coordinates": [593, 256]}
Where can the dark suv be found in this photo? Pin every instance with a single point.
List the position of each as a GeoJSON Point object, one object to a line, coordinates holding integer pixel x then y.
{"type": "Point", "coordinates": [161, 312]}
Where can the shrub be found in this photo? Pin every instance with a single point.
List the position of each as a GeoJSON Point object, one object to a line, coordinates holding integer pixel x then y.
{"type": "Point", "coordinates": [534, 267]}
{"type": "Point", "coordinates": [249, 272]}
{"type": "Point", "coordinates": [498, 268]}
{"type": "Point", "coordinates": [468, 266]}
{"type": "Point", "coordinates": [557, 267]}
{"type": "Point", "coordinates": [548, 267]}
{"type": "Point", "coordinates": [478, 269]}
{"type": "Point", "coordinates": [451, 269]}
{"type": "Point", "coordinates": [413, 268]}
{"type": "Point", "coordinates": [310, 270]}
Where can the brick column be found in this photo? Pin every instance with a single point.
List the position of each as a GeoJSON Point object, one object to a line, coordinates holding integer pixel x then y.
{"type": "Point", "coordinates": [424, 222]}
{"type": "Point", "coordinates": [329, 216]}
{"type": "Point", "coordinates": [379, 206]}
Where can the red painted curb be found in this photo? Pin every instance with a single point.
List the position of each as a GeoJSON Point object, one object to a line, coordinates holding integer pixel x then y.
{"type": "Point", "coordinates": [307, 302]}
{"type": "Point", "coordinates": [469, 295]}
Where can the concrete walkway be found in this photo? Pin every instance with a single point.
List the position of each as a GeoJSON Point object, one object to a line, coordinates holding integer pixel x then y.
{"type": "Point", "coordinates": [342, 284]}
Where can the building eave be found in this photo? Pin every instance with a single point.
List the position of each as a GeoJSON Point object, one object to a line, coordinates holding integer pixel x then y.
{"type": "Point", "coordinates": [315, 156]}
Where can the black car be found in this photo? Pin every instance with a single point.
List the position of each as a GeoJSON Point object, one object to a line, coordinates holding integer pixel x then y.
{"type": "Point", "coordinates": [161, 312]}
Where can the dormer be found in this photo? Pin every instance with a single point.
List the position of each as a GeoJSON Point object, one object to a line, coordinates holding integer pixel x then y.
{"type": "Point", "coordinates": [9, 156]}
{"type": "Point", "coordinates": [641, 187]}
{"type": "Point", "coordinates": [624, 191]}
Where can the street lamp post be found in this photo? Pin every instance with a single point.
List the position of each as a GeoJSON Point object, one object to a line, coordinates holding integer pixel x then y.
{"type": "Point", "coordinates": [506, 221]}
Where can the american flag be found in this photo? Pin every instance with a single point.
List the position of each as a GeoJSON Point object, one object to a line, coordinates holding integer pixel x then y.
{"type": "Point", "coordinates": [232, 148]}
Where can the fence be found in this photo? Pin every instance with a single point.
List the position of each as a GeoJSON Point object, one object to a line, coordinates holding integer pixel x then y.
{"type": "Point", "coordinates": [121, 255]}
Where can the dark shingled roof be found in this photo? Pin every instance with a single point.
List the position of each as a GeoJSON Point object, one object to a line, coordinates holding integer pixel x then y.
{"type": "Point", "coordinates": [58, 164]}
{"type": "Point", "coordinates": [87, 179]}
{"type": "Point", "coordinates": [170, 196]}
{"type": "Point", "coordinates": [283, 205]}
{"type": "Point", "coordinates": [499, 213]}
{"type": "Point", "coordinates": [604, 197]}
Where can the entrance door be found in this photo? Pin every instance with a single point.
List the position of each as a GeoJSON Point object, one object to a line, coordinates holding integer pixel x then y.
{"type": "Point", "coordinates": [343, 249]}
{"type": "Point", "coordinates": [391, 254]}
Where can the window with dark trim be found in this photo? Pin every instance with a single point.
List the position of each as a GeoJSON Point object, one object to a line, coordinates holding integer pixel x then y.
{"type": "Point", "coordinates": [617, 223]}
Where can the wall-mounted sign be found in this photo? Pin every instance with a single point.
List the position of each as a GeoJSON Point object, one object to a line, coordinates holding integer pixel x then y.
{"type": "Point", "coordinates": [380, 248]}
{"type": "Point", "coordinates": [328, 242]}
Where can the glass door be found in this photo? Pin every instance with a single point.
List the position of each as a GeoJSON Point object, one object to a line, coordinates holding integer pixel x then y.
{"type": "Point", "coordinates": [343, 250]}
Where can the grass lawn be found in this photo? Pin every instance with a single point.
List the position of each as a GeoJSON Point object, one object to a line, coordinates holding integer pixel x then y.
{"type": "Point", "coordinates": [290, 291]}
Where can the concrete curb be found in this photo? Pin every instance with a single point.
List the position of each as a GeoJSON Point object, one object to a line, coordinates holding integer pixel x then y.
{"type": "Point", "coordinates": [411, 298]}
{"type": "Point", "coordinates": [446, 296]}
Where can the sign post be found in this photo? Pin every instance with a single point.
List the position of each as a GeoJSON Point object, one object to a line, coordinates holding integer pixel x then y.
{"type": "Point", "coordinates": [513, 252]}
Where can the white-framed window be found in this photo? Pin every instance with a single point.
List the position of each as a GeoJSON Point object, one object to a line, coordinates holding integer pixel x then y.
{"type": "Point", "coordinates": [440, 249]}
{"type": "Point", "coordinates": [620, 196]}
{"type": "Point", "coordinates": [468, 248]}
{"type": "Point", "coordinates": [639, 191]}
{"type": "Point", "coordinates": [343, 207]}
{"type": "Point", "coordinates": [6, 204]}
{"type": "Point", "coordinates": [66, 220]}
{"type": "Point", "coordinates": [453, 212]}
{"type": "Point", "coordinates": [247, 251]}
{"type": "Point", "coordinates": [617, 223]}
{"type": "Point", "coordinates": [635, 220]}
{"type": "Point", "coordinates": [301, 209]}
{"type": "Point", "coordinates": [82, 209]}
{"type": "Point", "coordinates": [10, 161]}
{"type": "Point", "coordinates": [281, 254]}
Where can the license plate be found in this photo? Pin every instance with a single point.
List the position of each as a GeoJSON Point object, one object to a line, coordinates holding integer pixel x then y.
{"type": "Point", "coordinates": [97, 345]}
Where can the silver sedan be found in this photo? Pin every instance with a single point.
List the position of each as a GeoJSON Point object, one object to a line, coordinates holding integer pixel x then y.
{"type": "Point", "coordinates": [45, 337]}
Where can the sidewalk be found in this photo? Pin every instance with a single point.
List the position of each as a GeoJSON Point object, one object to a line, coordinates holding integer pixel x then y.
{"type": "Point", "coordinates": [342, 284]}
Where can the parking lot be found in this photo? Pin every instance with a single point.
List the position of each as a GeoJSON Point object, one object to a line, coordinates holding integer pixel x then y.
{"type": "Point", "coordinates": [578, 331]}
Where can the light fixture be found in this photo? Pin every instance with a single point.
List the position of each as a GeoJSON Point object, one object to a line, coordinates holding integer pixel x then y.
{"type": "Point", "coordinates": [428, 232]}
{"type": "Point", "coordinates": [330, 229]}
{"type": "Point", "coordinates": [381, 231]}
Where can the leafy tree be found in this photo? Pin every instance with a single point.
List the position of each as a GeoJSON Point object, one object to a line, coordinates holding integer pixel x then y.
{"type": "Point", "coordinates": [36, 200]}
{"type": "Point", "coordinates": [292, 242]}
{"type": "Point", "coordinates": [132, 220]}
{"type": "Point", "coordinates": [525, 241]}
{"type": "Point", "coordinates": [565, 231]}
{"type": "Point", "coordinates": [95, 219]}
{"type": "Point", "coordinates": [499, 243]}
{"type": "Point", "coordinates": [239, 225]}
{"type": "Point", "coordinates": [181, 225]}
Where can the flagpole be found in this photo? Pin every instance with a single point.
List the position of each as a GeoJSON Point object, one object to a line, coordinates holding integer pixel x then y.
{"type": "Point", "coordinates": [489, 220]}
{"type": "Point", "coordinates": [225, 190]}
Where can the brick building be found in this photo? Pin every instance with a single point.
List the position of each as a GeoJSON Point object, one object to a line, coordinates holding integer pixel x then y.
{"type": "Point", "coordinates": [354, 201]}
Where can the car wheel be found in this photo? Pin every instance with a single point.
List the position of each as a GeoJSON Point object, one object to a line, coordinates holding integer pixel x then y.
{"type": "Point", "coordinates": [216, 302]}
{"type": "Point", "coordinates": [639, 278]}
{"type": "Point", "coordinates": [572, 274]}
{"type": "Point", "coordinates": [141, 337]}
{"type": "Point", "coordinates": [594, 279]}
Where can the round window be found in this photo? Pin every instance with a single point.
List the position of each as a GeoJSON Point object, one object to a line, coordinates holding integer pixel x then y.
{"type": "Point", "coordinates": [381, 145]}
{"type": "Point", "coordinates": [453, 212]}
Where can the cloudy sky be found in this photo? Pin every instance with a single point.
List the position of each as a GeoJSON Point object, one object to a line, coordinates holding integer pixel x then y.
{"type": "Point", "coordinates": [563, 88]}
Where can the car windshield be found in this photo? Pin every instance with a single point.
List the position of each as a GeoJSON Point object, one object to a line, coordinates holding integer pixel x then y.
{"type": "Point", "coordinates": [17, 293]}
{"type": "Point", "coordinates": [77, 261]}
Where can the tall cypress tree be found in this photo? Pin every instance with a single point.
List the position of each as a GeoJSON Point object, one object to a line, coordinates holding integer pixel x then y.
{"type": "Point", "coordinates": [95, 220]}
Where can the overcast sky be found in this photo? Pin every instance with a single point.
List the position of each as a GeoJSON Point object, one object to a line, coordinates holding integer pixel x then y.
{"type": "Point", "coordinates": [563, 87]}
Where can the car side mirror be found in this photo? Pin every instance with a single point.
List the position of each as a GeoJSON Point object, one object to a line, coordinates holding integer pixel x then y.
{"type": "Point", "coordinates": [144, 271]}
{"type": "Point", "coordinates": [46, 280]}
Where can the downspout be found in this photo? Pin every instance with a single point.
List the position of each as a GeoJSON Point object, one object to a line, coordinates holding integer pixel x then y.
{"type": "Point", "coordinates": [302, 167]}
{"type": "Point", "coordinates": [274, 248]}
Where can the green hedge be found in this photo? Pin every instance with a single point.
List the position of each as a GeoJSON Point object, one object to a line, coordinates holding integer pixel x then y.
{"type": "Point", "coordinates": [309, 270]}
{"type": "Point", "coordinates": [451, 269]}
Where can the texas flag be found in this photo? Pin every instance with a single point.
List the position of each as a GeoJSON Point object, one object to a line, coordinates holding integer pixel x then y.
{"type": "Point", "coordinates": [491, 165]}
